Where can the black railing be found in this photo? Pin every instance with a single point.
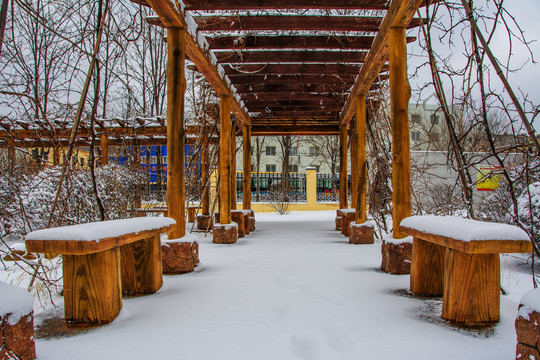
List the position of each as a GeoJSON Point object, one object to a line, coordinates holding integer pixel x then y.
{"type": "Point", "coordinates": [266, 185]}
{"type": "Point", "coordinates": [327, 187]}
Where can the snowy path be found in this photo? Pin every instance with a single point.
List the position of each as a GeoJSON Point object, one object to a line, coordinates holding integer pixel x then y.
{"type": "Point", "coordinates": [293, 289]}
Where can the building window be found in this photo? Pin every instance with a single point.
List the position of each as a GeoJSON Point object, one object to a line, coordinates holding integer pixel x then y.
{"type": "Point", "coordinates": [434, 119]}
{"type": "Point", "coordinates": [415, 136]}
{"type": "Point", "coordinates": [164, 160]}
{"type": "Point", "coordinates": [415, 119]}
{"type": "Point", "coordinates": [270, 151]}
{"type": "Point", "coordinates": [293, 168]}
{"type": "Point", "coordinates": [293, 151]}
{"type": "Point", "coordinates": [153, 159]}
{"type": "Point", "coordinates": [269, 167]}
{"type": "Point", "coordinates": [313, 151]}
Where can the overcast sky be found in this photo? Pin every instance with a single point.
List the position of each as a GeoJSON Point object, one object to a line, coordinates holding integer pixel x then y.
{"type": "Point", "coordinates": [527, 14]}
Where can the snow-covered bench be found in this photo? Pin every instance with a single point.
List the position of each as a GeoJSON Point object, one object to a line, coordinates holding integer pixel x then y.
{"type": "Point", "coordinates": [459, 259]}
{"type": "Point", "coordinates": [102, 259]}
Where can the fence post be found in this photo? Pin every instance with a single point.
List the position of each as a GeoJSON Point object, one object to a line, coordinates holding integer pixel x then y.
{"type": "Point", "coordinates": [311, 186]}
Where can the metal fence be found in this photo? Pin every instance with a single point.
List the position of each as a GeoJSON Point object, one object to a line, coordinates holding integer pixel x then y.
{"type": "Point", "coordinates": [327, 188]}
{"type": "Point", "coordinates": [265, 185]}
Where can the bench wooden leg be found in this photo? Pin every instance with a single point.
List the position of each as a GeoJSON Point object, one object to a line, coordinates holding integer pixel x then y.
{"type": "Point", "coordinates": [471, 288]}
{"type": "Point", "coordinates": [427, 268]}
{"type": "Point", "coordinates": [141, 266]}
{"type": "Point", "coordinates": [92, 288]}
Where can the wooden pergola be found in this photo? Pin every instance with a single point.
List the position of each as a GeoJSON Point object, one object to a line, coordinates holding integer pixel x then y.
{"type": "Point", "coordinates": [282, 72]}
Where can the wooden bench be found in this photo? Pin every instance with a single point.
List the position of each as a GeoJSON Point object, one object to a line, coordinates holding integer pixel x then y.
{"type": "Point", "coordinates": [102, 259]}
{"type": "Point", "coordinates": [459, 259]}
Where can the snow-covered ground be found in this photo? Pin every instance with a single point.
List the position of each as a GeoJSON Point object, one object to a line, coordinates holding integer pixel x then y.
{"type": "Point", "coordinates": [293, 289]}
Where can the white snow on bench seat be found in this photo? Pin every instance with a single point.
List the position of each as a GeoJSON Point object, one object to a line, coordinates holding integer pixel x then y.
{"type": "Point", "coordinates": [347, 211]}
{"type": "Point", "coordinates": [15, 301]}
{"type": "Point", "coordinates": [101, 230]}
{"type": "Point", "coordinates": [464, 229]}
{"type": "Point", "coordinates": [530, 302]}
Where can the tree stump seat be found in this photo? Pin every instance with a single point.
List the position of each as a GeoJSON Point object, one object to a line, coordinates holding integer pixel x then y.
{"type": "Point", "coordinates": [347, 217]}
{"type": "Point", "coordinates": [459, 259]}
{"type": "Point", "coordinates": [191, 212]}
{"type": "Point", "coordinates": [102, 259]}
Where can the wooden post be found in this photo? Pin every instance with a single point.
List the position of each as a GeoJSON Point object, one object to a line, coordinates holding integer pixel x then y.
{"type": "Point", "coordinates": [361, 168]}
{"type": "Point", "coordinates": [400, 93]}
{"type": "Point", "coordinates": [343, 167]}
{"type": "Point", "coordinates": [225, 158]}
{"type": "Point", "coordinates": [56, 156]}
{"type": "Point", "coordinates": [11, 154]}
{"type": "Point", "coordinates": [141, 266]}
{"type": "Point", "coordinates": [246, 163]}
{"type": "Point", "coordinates": [354, 164]}
{"type": "Point", "coordinates": [104, 150]}
{"type": "Point", "coordinates": [176, 86]}
{"type": "Point", "coordinates": [427, 268]}
{"type": "Point", "coordinates": [136, 157]}
{"type": "Point", "coordinates": [205, 163]}
{"type": "Point", "coordinates": [233, 168]}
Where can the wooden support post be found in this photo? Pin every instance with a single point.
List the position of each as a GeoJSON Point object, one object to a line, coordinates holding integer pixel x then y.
{"type": "Point", "coordinates": [104, 150]}
{"type": "Point", "coordinates": [92, 287]}
{"type": "Point", "coordinates": [233, 168]}
{"type": "Point", "coordinates": [176, 86]}
{"type": "Point", "coordinates": [205, 173]}
{"type": "Point", "coordinates": [361, 165]}
{"type": "Point", "coordinates": [354, 163]}
{"type": "Point", "coordinates": [225, 158]}
{"type": "Point", "coordinates": [471, 294]}
{"type": "Point", "coordinates": [56, 156]}
{"type": "Point", "coordinates": [11, 154]}
{"type": "Point", "coordinates": [246, 163]}
{"type": "Point", "coordinates": [136, 157]}
{"type": "Point", "coordinates": [343, 154]}
{"type": "Point", "coordinates": [400, 93]}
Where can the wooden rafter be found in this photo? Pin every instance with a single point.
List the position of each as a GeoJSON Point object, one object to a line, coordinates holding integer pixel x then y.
{"type": "Point", "coordinates": [246, 57]}
{"type": "Point", "coordinates": [277, 130]}
{"type": "Point", "coordinates": [399, 14]}
{"type": "Point", "coordinates": [284, 4]}
{"type": "Point", "coordinates": [170, 16]}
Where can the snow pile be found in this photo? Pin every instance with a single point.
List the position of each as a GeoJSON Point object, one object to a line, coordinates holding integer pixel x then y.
{"type": "Point", "coordinates": [185, 238]}
{"type": "Point", "coordinates": [15, 301]}
{"type": "Point", "coordinates": [530, 302]}
{"type": "Point", "coordinates": [101, 229]}
{"type": "Point", "coordinates": [464, 229]}
{"type": "Point", "coordinates": [388, 238]}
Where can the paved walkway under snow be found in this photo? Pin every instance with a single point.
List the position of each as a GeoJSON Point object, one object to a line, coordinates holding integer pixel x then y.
{"type": "Point", "coordinates": [293, 289]}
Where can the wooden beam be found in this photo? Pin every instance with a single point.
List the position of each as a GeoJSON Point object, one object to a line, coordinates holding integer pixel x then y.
{"type": "Point", "coordinates": [354, 163]}
{"type": "Point", "coordinates": [400, 14]}
{"type": "Point", "coordinates": [283, 69]}
{"type": "Point", "coordinates": [260, 130]}
{"type": "Point", "coordinates": [400, 93]}
{"type": "Point", "coordinates": [297, 96]}
{"type": "Point", "coordinates": [292, 23]}
{"type": "Point", "coordinates": [232, 179]}
{"type": "Point", "coordinates": [343, 172]}
{"type": "Point", "coordinates": [246, 163]}
{"type": "Point", "coordinates": [253, 42]}
{"type": "Point", "coordinates": [225, 125]}
{"type": "Point", "coordinates": [171, 17]}
{"type": "Point", "coordinates": [297, 78]}
{"type": "Point", "coordinates": [104, 150]}
{"type": "Point", "coordinates": [308, 88]}
{"type": "Point", "coordinates": [361, 166]}
{"type": "Point", "coordinates": [297, 114]}
{"type": "Point", "coordinates": [296, 108]}
{"type": "Point", "coordinates": [206, 5]}
{"type": "Point", "coordinates": [176, 86]}
{"type": "Point", "coordinates": [205, 174]}
{"type": "Point", "coordinates": [291, 56]}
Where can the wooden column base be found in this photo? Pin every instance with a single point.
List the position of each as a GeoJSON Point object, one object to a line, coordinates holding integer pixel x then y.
{"type": "Point", "coordinates": [361, 234]}
{"type": "Point", "coordinates": [204, 222]}
{"type": "Point", "coordinates": [238, 217]}
{"type": "Point", "coordinates": [427, 268]}
{"type": "Point", "coordinates": [252, 223]}
{"type": "Point", "coordinates": [338, 223]}
{"type": "Point", "coordinates": [225, 233]}
{"type": "Point", "coordinates": [247, 226]}
{"type": "Point", "coordinates": [92, 287]}
{"type": "Point", "coordinates": [141, 266]}
{"type": "Point", "coordinates": [179, 257]}
{"type": "Point", "coordinates": [346, 220]}
{"type": "Point", "coordinates": [471, 288]}
{"type": "Point", "coordinates": [396, 257]}
{"type": "Point", "coordinates": [191, 210]}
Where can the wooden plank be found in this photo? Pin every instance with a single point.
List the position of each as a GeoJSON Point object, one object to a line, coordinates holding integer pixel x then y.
{"type": "Point", "coordinates": [171, 17]}
{"type": "Point", "coordinates": [246, 163]}
{"type": "Point", "coordinates": [291, 87]}
{"type": "Point", "coordinates": [361, 166]}
{"type": "Point", "coordinates": [343, 164]}
{"type": "Point", "coordinates": [141, 266]}
{"type": "Point", "coordinates": [104, 144]}
{"type": "Point", "coordinates": [297, 96]}
{"type": "Point", "coordinates": [471, 294]}
{"type": "Point", "coordinates": [284, 4]}
{"type": "Point", "coordinates": [292, 102]}
{"type": "Point", "coordinates": [400, 93]}
{"type": "Point", "coordinates": [427, 268]}
{"type": "Point", "coordinates": [472, 247]}
{"type": "Point", "coordinates": [290, 56]}
{"type": "Point", "coordinates": [176, 87]}
{"type": "Point", "coordinates": [92, 288]}
{"type": "Point", "coordinates": [225, 158]}
{"type": "Point", "coordinates": [296, 114]}
{"type": "Point", "coordinates": [293, 23]}
{"type": "Point", "coordinates": [74, 247]}
{"type": "Point", "coordinates": [283, 69]}
{"type": "Point", "coordinates": [308, 107]}
{"type": "Point", "coordinates": [297, 78]}
{"type": "Point", "coordinates": [259, 130]}
{"type": "Point", "coordinates": [400, 14]}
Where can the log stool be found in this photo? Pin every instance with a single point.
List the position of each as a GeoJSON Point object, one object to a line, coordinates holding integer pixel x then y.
{"type": "Point", "coordinates": [191, 211]}
{"type": "Point", "coordinates": [225, 233]}
{"type": "Point", "coordinates": [238, 217]}
{"type": "Point", "coordinates": [362, 233]}
{"type": "Point", "coordinates": [16, 323]}
{"type": "Point", "coordinates": [347, 217]}
{"type": "Point", "coordinates": [338, 220]}
{"type": "Point", "coordinates": [179, 256]}
{"type": "Point", "coordinates": [396, 255]}
{"type": "Point", "coordinates": [204, 222]}
{"type": "Point", "coordinates": [528, 326]}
